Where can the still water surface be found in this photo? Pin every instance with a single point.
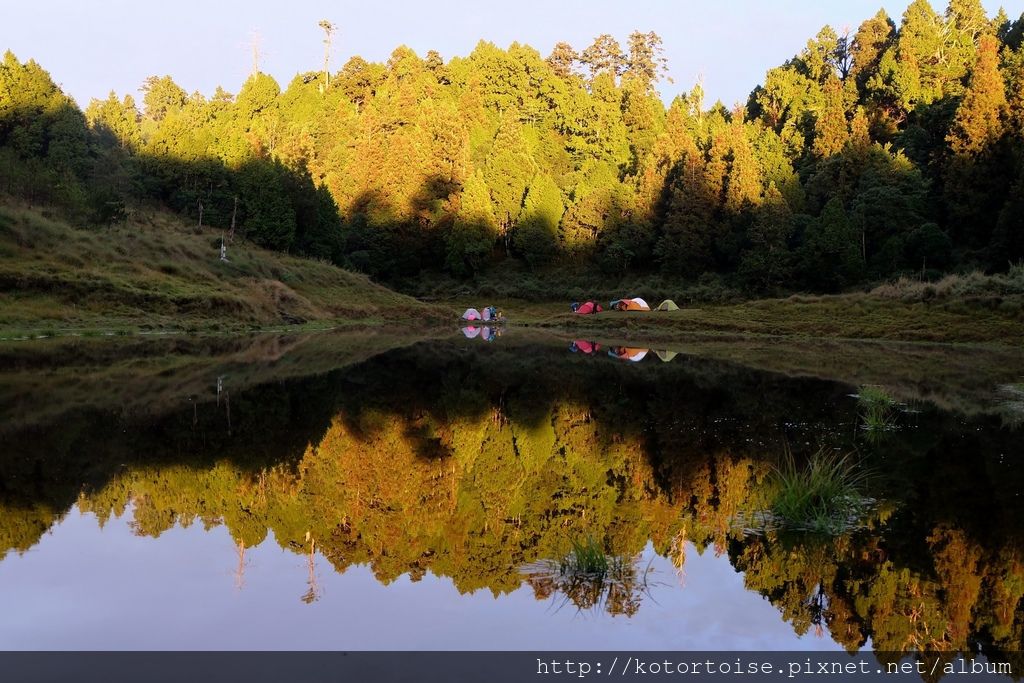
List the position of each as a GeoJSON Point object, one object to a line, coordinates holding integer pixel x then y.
{"type": "Point", "coordinates": [373, 492]}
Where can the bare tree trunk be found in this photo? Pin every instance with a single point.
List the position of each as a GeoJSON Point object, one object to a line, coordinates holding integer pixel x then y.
{"type": "Point", "coordinates": [234, 213]}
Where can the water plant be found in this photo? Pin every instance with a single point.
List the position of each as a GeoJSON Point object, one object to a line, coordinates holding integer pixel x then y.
{"type": "Point", "coordinates": [824, 495]}
{"type": "Point", "coordinates": [877, 409]}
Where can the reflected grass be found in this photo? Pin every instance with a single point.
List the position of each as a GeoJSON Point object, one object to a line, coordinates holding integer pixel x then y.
{"type": "Point", "coordinates": [1011, 404]}
{"type": "Point", "coordinates": [590, 579]}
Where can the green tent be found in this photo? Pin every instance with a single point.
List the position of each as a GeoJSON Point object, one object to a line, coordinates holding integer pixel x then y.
{"type": "Point", "coordinates": [666, 355]}
{"type": "Point", "coordinates": [667, 305]}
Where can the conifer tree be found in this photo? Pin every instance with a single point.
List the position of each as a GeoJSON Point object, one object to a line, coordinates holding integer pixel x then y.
{"type": "Point", "coordinates": [743, 189]}
{"type": "Point", "coordinates": [162, 96]}
{"type": "Point", "coordinates": [645, 63]}
{"type": "Point", "coordinates": [562, 59]}
{"type": "Point", "coordinates": [604, 56]}
{"type": "Point", "coordinates": [768, 262]}
{"type": "Point", "coordinates": [872, 39]}
{"type": "Point", "coordinates": [472, 235]}
{"type": "Point", "coordinates": [688, 232]}
{"type": "Point", "coordinates": [830, 129]}
{"type": "Point", "coordinates": [979, 118]}
{"type": "Point", "coordinates": [507, 172]}
{"type": "Point", "coordinates": [920, 42]}
{"type": "Point", "coordinates": [116, 119]}
{"type": "Point", "coordinates": [536, 237]}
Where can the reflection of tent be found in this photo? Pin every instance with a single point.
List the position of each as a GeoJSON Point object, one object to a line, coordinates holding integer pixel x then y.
{"type": "Point", "coordinates": [489, 333]}
{"type": "Point", "coordinates": [626, 353]}
{"type": "Point", "coordinates": [666, 355]}
{"type": "Point", "coordinates": [472, 314]}
{"type": "Point", "coordinates": [470, 331]}
{"type": "Point", "coordinates": [667, 305]}
{"type": "Point", "coordinates": [583, 346]}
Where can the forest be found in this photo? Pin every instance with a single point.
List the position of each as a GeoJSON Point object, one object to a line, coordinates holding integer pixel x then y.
{"type": "Point", "coordinates": [890, 150]}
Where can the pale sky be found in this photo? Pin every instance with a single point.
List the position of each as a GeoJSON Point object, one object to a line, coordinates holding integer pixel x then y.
{"type": "Point", "coordinates": [91, 48]}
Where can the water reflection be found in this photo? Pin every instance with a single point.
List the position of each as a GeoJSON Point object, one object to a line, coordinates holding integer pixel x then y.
{"type": "Point", "coordinates": [470, 462]}
{"type": "Point", "coordinates": [485, 332]}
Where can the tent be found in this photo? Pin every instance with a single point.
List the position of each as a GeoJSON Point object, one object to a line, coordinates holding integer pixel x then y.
{"type": "Point", "coordinates": [472, 314]}
{"type": "Point", "coordinates": [588, 307]}
{"type": "Point", "coordinates": [644, 306]}
{"type": "Point", "coordinates": [636, 304]}
{"type": "Point", "coordinates": [666, 355]}
{"type": "Point", "coordinates": [667, 305]}
{"type": "Point", "coordinates": [470, 331]}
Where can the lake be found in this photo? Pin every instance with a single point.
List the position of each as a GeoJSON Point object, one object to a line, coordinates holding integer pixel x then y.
{"type": "Point", "coordinates": [375, 490]}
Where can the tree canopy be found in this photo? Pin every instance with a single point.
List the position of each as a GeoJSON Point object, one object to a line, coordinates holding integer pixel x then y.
{"type": "Point", "coordinates": [420, 164]}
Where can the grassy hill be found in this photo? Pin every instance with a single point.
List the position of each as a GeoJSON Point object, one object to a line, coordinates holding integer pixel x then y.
{"type": "Point", "coordinates": [156, 273]}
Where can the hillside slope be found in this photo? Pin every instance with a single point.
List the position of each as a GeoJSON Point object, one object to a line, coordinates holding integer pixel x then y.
{"type": "Point", "coordinates": [156, 273]}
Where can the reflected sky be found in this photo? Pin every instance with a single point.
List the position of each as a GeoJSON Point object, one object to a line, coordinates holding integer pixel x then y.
{"type": "Point", "coordinates": [83, 587]}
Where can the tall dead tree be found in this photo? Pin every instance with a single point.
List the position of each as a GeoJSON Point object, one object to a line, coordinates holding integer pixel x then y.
{"type": "Point", "coordinates": [329, 30]}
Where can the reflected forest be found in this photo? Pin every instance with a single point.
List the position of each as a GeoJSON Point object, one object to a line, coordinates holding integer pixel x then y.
{"type": "Point", "coordinates": [522, 462]}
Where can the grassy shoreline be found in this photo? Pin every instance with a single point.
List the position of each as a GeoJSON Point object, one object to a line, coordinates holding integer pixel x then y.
{"type": "Point", "coordinates": [849, 317]}
{"type": "Point", "coordinates": [156, 275]}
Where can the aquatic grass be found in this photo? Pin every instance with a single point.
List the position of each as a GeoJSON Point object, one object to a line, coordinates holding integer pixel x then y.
{"type": "Point", "coordinates": [874, 395]}
{"type": "Point", "coordinates": [878, 410]}
{"type": "Point", "coordinates": [825, 495]}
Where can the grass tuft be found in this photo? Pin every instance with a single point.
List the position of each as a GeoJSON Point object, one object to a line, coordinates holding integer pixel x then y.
{"type": "Point", "coordinates": [825, 495]}
{"type": "Point", "coordinates": [878, 410]}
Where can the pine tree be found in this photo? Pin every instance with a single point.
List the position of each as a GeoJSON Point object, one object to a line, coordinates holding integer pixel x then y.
{"type": "Point", "coordinates": [117, 120]}
{"type": "Point", "coordinates": [162, 96]}
{"type": "Point", "coordinates": [646, 63]}
{"type": "Point", "coordinates": [507, 172]}
{"type": "Point", "coordinates": [688, 232]}
{"type": "Point", "coordinates": [872, 39]}
{"type": "Point", "coordinates": [1015, 104]}
{"type": "Point", "coordinates": [767, 263]}
{"type": "Point", "coordinates": [860, 130]}
{"type": "Point", "coordinates": [830, 129]}
{"type": "Point", "coordinates": [831, 254]}
{"type": "Point", "coordinates": [604, 56]}
{"type": "Point", "coordinates": [918, 47]}
{"type": "Point", "coordinates": [979, 118]}
{"type": "Point", "coordinates": [472, 235]}
{"type": "Point", "coordinates": [536, 236]}
{"type": "Point", "coordinates": [743, 189]}
{"type": "Point", "coordinates": [562, 59]}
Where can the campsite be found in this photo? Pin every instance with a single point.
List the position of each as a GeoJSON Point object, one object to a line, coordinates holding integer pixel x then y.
{"type": "Point", "coordinates": [415, 341]}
